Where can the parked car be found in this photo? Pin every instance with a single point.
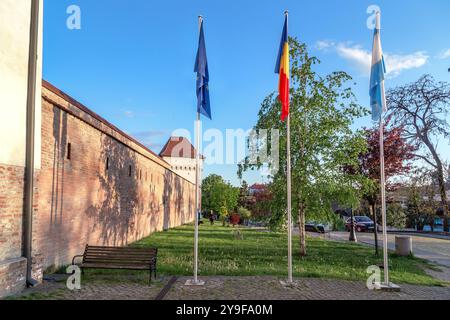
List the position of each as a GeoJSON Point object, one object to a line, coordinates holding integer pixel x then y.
{"type": "Point", "coordinates": [362, 224]}
{"type": "Point", "coordinates": [314, 227]}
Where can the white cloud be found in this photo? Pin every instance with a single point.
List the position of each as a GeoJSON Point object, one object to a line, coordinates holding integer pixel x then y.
{"type": "Point", "coordinates": [444, 54]}
{"type": "Point", "coordinates": [361, 59]}
{"type": "Point", "coordinates": [324, 44]}
{"type": "Point", "coordinates": [395, 64]}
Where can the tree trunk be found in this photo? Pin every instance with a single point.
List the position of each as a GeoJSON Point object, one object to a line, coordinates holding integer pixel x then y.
{"type": "Point", "coordinates": [375, 232]}
{"type": "Point", "coordinates": [441, 182]}
{"type": "Point", "coordinates": [443, 199]}
{"type": "Point", "coordinates": [301, 226]}
{"type": "Point", "coordinates": [443, 195]}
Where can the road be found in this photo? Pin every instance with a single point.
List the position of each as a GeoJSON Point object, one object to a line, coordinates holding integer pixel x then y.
{"type": "Point", "coordinates": [436, 250]}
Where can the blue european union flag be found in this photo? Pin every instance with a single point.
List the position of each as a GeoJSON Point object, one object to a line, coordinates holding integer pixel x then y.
{"type": "Point", "coordinates": [201, 67]}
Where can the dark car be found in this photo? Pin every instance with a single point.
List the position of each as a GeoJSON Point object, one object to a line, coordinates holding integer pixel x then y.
{"type": "Point", "coordinates": [362, 224]}
{"type": "Point", "coordinates": [313, 227]}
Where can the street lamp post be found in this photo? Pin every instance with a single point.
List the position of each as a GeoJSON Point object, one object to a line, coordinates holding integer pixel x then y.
{"type": "Point", "coordinates": [352, 237]}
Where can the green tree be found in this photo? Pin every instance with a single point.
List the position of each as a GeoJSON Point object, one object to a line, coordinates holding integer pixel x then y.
{"type": "Point", "coordinates": [223, 211]}
{"type": "Point", "coordinates": [322, 143]}
{"type": "Point", "coordinates": [422, 205]}
{"type": "Point", "coordinates": [421, 108]}
{"type": "Point", "coordinates": [217, 193]}
{"type": "Point", "coordinates": [396, 216]}
{"type": "Point", "coordinates": [428, 206]}
{"type": "Point", "coordinates": [413, 207]}
{"type": "Point", "coordinates": [244, 213]}
{"type": "Point", "coordinates": [243, 194]}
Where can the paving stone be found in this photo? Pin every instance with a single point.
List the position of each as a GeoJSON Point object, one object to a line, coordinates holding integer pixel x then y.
{"type": "Point", "coordinates": [236, 288]}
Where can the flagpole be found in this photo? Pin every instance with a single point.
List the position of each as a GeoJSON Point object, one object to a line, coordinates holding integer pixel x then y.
{"type": "Point", "coordinates": [387, 285]}
{"type": "Point", "coordinates": [383, 205]}
{"type": "Point", "coordinates": [197, 182]}
{"type": "Point", "coordinates": [289, 190]}
{"type": "Point", "coordinates": [197, 197]}
{"type": "Point", "coordinates": [289, 198]}
{"type": "Point", "coordinates": [382, 177]}
{"type": "Point", "coordinates": [196, 281]}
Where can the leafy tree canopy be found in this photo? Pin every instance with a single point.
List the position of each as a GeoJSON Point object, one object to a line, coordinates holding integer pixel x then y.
{"type": "Point", "coordinates": [218, 194]}
{"type": "Point", "coordinates": [322, 141]}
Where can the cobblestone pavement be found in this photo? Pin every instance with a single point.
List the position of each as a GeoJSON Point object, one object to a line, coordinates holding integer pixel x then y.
{"type": "Point", "coordinates": [233, 288]}
{"type": "Point", "coordinates": [269, 288]}
{"type": "Point", "coordinates": [103, 289]}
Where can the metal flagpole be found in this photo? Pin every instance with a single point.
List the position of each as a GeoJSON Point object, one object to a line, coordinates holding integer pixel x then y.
{"type": "Point", "coordinates": [289, 199]}
{"type": "Point", "coordinates": [195, 281]}
{"type": "Point", "coordinates": [197, 197]}
{"type": "Point", "coordinates": [289, 187]}
{"type": "Point", "coordinates": [383, 205]}
{"type": "Point", "coordinates": [289, 190]}
{"type": "Point", "coordinates": [387, 285]}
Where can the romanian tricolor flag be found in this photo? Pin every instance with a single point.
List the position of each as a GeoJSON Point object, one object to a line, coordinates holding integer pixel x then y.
{"type": "Point", "coordinates": [282, 69]}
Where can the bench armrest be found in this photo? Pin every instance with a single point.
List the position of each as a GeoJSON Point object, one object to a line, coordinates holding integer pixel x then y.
{"type": "Point", "coordinates": [73, 260]}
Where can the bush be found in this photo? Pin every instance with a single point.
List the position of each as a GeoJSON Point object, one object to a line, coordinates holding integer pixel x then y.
{"type": "Point", "coordinates": [235, 219]}
{"type": "Point", "coordinates": [338, 223]}
{"type": "Point", "coordinates": [396, 216]}
{"type": "Point", "coordinates": [223, 214]}
{"type": "Point", "coordinates": [244, 213]}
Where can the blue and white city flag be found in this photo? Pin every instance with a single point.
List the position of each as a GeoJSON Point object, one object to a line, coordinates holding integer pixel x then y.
{"type": "Point", "coordinates": [201, 67]}
{"type": "Point", "coordinates": [377, 93]}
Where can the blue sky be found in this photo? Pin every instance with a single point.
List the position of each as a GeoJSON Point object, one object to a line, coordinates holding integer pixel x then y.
{"type": "Point", "coordinates": [132, 61]}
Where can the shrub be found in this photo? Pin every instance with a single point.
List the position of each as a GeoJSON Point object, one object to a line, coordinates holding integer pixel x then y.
{"type": "Point", "coordinates": [396, 216]}
{"type": "Point", "coordinates": [244, 213]}
{"type": "Point", "coordinates": [235, 219]}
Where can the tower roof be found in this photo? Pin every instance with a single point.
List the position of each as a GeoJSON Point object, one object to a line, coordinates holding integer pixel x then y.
{"type": "Point", "coordinates": [179, 147]}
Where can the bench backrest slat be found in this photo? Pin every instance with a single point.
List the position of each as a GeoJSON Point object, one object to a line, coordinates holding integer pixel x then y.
{"type": "Point", "coordinates": [119, 256]}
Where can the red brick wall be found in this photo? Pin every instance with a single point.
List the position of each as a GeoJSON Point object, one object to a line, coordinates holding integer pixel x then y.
{"type": "Point", "coordinates": [12, 268]}
{"type": "Point", "coordinates": [11, 211]}
{"type": "Point", "coordinates": [12, 264]}
{"type": "Point", "coordinates": [82, 202]}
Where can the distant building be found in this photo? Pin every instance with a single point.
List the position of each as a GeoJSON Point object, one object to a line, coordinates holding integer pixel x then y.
{"type": "Point", "coordinates": [257, 188]}
{"type": "Point", "coordinates": [181, 155]}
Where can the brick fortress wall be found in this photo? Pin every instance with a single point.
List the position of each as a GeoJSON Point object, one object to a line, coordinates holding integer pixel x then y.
{"type": "Point", "coordinates": [98, 186]}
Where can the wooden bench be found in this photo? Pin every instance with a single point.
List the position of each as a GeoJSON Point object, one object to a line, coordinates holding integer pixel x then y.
{"type": "Point", "coordinates": [126, 258]}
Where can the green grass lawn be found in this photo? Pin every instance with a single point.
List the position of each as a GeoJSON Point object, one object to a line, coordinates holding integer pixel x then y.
{"type": "Point", "coordinates": [265, 253]}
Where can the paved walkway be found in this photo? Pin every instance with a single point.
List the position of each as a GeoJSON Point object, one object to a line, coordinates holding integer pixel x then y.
{"type": "Point", "coordinates": [235, 288]}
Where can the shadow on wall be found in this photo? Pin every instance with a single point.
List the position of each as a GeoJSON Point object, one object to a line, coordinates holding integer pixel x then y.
{"type": "Point", "coordinates": [59, 155]}
{"type": "Point", "coordinates": [173, 200]}
{"type": "Point", "coordinates": [57, 228]}
{"type": "Point", "coordinates": [103, 195]}
{"type": "Point", "coordinates": [117, 175]}
{"type": "Point", "coordinates": [167, 194]}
